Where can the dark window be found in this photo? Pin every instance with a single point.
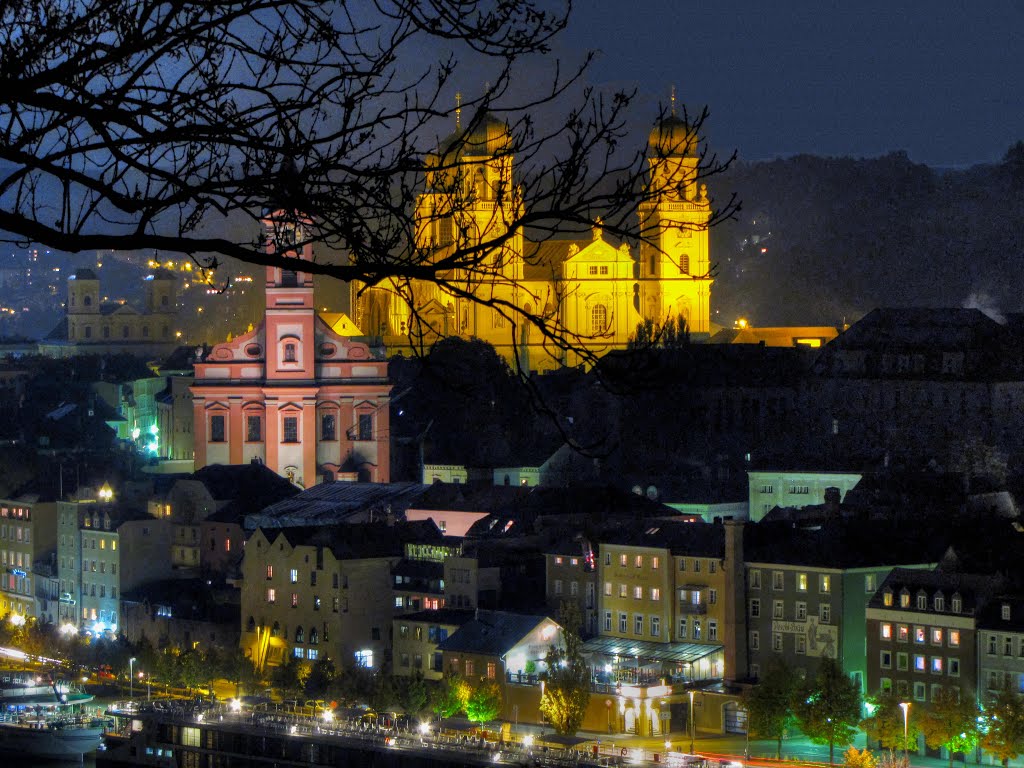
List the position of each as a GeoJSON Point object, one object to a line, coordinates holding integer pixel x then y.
{"type": "Point", "coordinates": [88, 332]}
{"type": "Point", "coordinates": [289, 278]}
{"type": "Point", "coordinates": [253, 429]}
{"type": "Point", "coordinates": [291, 429]}
{"type": "Point", "coordinates": [328, 427]}
{"type": "Point", "coordinates": [163, 301]}
{"type": "Point", "coordinates": [216, 429]}
{"type": "Point", "coordinates": [145, 331]}
{"type": "Point", "coordinates": [87, 300]}
{"type": "Point", "coordinates": [366, 426]}
{"type": "Point", "coordinates": [124, 332]}
{"type": "Point", "coordinates": [289, 353]}
{"type": "Point", "coordinates": [106, 332]}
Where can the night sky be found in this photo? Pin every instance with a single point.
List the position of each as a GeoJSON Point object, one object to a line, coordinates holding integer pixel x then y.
{"type": "Point", "coordinates": [941, 80]}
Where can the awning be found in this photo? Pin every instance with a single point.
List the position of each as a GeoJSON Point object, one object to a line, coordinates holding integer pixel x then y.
{"type": "Point", "coordinates": [675, 653]}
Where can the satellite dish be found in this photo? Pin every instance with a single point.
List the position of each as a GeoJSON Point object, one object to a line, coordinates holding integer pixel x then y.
{"type": "Point", "coordinates": [652, 493]}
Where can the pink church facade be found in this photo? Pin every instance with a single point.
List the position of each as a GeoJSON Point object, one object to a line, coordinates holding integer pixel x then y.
{"type": "Point", "coordinates": [310, 404]}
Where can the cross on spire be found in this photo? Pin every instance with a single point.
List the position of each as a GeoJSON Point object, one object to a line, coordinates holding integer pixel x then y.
{"type": "Point", "coordinates": [458, 110]}
{"type": "Point", "coordinates": [672, 100]}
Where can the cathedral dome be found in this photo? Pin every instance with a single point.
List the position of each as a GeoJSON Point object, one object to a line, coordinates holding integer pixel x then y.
{"type": "Point", "coordinates": [673, 136]}
{"type": "Point", "coordinates": [489, 136]}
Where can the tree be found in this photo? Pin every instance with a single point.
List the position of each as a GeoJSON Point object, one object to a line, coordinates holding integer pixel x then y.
{"type": "Point", "coordinates": [951, 721]}
{"type": "Point", "coordinates": [321, 675]}
{"type": "Point", "coordinates": [138, 124]}
{"type": "Point", "coordinates": [412, 693]}
{"type": "Point", "coordinates": [769, 705]}
{"type": "Point", "coordinates": [885, 724]}
{"type": "Point", "coordinates": [567, 690]}
{"type": "Point", "coordinates": [238, 669]}
{"type": "Point", "coordinates": [289, 677]}
{"type": "Point", "coordinates": [828, 707]}
{"type": "Point", "coordinates": [671, 334]}
{"type": "Point", "coordinates": [484, 701]}
{"type": "Point", "coordinates": [1003, 726]}
{"type": "Point", "coordinates": [854, 758]}
{"type": "Point", "coordinates": [450, 696]}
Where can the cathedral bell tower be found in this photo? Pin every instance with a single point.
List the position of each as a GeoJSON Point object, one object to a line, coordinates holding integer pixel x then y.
{"type": "Point", "coordinates": [674, 265]}
{"type": "Point", "coordinates": [291, 312]}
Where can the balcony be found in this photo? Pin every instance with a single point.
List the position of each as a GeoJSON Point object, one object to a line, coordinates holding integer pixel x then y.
{"type": "Point", "coordinates": [696, 609]}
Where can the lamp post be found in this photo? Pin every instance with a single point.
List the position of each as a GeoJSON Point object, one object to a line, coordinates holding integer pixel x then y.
{"type": "Point", "coordinates": [905, 706]}
{"type": "Point", "coordinates": [131, 678]}
{"type": "Point", "coordinates": [691, 723]}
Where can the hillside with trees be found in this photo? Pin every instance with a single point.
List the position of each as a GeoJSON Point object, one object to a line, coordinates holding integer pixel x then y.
{"type": "Point", "coordinates": [820, 240]}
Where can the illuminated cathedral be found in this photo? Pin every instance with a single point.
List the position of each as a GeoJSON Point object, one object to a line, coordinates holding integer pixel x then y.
{"type": "Point", "coordinates": [597, 291]}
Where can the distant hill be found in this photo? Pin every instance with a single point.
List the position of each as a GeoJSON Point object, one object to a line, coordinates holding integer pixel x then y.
{"type": "Point", "coordinates": [820, 240]}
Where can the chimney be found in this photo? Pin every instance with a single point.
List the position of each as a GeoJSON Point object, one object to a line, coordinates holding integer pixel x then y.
{"type": "Point", "coordinates": [735, 629]}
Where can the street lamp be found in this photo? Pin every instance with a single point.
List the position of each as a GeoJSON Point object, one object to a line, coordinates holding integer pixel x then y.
{"type": "Point", "coordinates": [905, 706]}
{"type": "Point", "coordinates": [691, 723]}
{"type": "Point", "coordinates": [131, 678]}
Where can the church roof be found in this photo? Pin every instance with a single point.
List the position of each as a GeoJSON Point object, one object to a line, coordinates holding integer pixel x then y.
{"type": "Point", "coordinates": [543, 260]}
{"type": "Point", "coordinates": [329, 503]}
{"type": "Point", "coordinates": [84, 274]}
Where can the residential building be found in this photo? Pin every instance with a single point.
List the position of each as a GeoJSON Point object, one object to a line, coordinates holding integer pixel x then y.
{"type": "Point", "coordinates": [324, 589]}
{"type": "Point", "coordinates": [922, 633]}
{"type": "Point", "coordinates": [28, 535]}
{"type": "Point", "coordinates": [1000, 627]}
{"type": "Point", "coordinates": [794, 487]}
{"type": "Point", "coordinates": [808, 590]}
{"type": "Point", "coordinates": [184, 613]}
{"type": "Point", "coordinates": [416, 639]}
{"type": "Point", "coordinates": [572, 576]}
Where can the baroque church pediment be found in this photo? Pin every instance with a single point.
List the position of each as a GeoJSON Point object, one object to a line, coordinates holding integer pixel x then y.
{"type": "Point", "coordinates": [598, 250]}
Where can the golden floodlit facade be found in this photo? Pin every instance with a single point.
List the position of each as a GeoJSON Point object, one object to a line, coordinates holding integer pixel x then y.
{"type": "Point", "coordinates": [595, 291]}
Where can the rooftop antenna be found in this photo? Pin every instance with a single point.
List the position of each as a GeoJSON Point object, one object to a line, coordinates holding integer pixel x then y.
{"type": "Point", "coordinates": [458, 110]}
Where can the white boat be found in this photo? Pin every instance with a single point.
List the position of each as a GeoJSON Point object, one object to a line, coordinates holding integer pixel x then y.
{"type": "Point", "coordinates": [39, 719]}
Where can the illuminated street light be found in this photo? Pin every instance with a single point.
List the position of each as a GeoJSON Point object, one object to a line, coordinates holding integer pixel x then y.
{"type": "Point", "coordinates": [235, 705]}
{"type": "Point", "coordinates": [691, 723]}
{"type": "Point", "coordinates": [905, 706]}
{"type": "Point", "coordinates": [424, 729]}
{"type": "Point", "coordinates": [67, 629]}
{"type": "Point", "coordinates": [18, 619]}
{"type": "Point", "coordinates": [528, 741]}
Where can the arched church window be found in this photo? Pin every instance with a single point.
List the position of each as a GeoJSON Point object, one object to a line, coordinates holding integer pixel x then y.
{"type": "Point", "coordinates": [652, 266]}
{"type": "Point", "coordinates": [599, 318]}
{"type": "Point", "coordinates": [289, 353]}
{"type": "Point", "coordinates": [289, 278]}
{"type": "Point", "coordinates": [480, 184]}
{"type": "Point", "coordinates": [684, 263]}
{"type": "Point", "coordinates": [300, 636]}
{"type": "Point", "coordinates": [87, 300]}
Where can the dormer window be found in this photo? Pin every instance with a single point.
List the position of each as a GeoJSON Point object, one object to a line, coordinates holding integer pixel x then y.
{"type": "Point", "coordinates": [939, 602]}
{"type": "Point", "coordinates": [922, 601]}
{"type": "Point", "coordinates": [887, 598]}
{"type": "Point", "coordinates": [904, 599]}
{"type": "Point", "coordinates": [956, 604]}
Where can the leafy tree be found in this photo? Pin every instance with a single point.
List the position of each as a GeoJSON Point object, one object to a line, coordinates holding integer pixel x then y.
{"type": "Point", "coordinates": [321, 675]}
{"type": "Point", "coordinates": [450, 696]}
{"type": "Point", "coordinates": [1003, 726]}
{"type": "Point", "coordinates": [237, 668]}
{"type": "Point", "coordinates": [289, 677]}
{"type": "Point", "coordinates": [305, 106]}
{"type": "Point", "coordinates": [854, 758]}
{"type": "Point", "coordinates": [951, 721]}
{"type": "Point", "coordinates": [567, 690]}
{"type": "Point", "coordinates": [412, 693]}
{"type": "Point", "coordinates": [885, 724]}
{"type": "Point", "coordinates": [671, 334]}
{"type": "Point", "coordinates": [827, 707]}
{"type": "Point", "coordinates": [769, 705]}
{"type": "Point", "coordinates": [484, 701]}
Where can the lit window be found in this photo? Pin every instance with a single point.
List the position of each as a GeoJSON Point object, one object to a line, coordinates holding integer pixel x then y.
{"type": "Point", "coordinates": [801, 582]}
{"type": "Point", "coordinates": [936, 665]}
{"type": "Point", "coordinates": [919, 663]}
{"type": "Point", "coordinates": [599, 319]}
{"type": "Point", "coordinates": [887, 631]}
{"type": "Point", "coordinates": [271, 595]}
{"type": "Point", "coordinates": [638, 593]}
{"type": "Point", "coordinates": [918, 634]}
{"type": "Point", "coordinates": [655, 563]}
{"type": "Point", "coordinates": [824, 583]}
{"type": "Point", "coordinates": [655, 594]}
{"type": "Point", "coordinates": [293, 576]}
{"type": "Point", "coordinates": [954, 638]}
{"type": "Point", "coordinates": [903, 633]}
{"type": "Point", "coordinates": [638, 561]}
{"type": "Point", "coordinates": [936, 636]}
